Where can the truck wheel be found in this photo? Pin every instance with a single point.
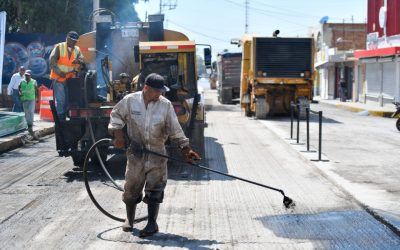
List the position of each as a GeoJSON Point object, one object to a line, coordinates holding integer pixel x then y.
{"type": "Point", "coordinates": [247, 110]}
{"type": "Point", "coordinates": [198, 139]}
{"type": "Point", "coordinates": [77, 159]}
{"type": "Point", "coordinates": [226, 96]}
{"type": "Point", "coordinates": [103, 155]}
{"type": "Point", "coordinates": [303, 103]}
{"type": "Point", "coordinates": [262, 108]}
{"type": "Point", "coordinates": [398, 124]}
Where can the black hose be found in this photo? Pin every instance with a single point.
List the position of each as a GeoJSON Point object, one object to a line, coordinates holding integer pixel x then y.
{"type": "Point", "coordinates": [288, 202]}
{"type": "Point", "coordinates": [89, 191]}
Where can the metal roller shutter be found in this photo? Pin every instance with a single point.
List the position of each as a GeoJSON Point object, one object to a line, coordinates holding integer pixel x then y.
{"type": "Point", "coordinates": [373, 78]}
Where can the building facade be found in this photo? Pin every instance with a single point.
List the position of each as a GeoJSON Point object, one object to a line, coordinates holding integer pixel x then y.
{"type": "Point", "coordinates": [335, 45]}
{"type": "Point", "coordinates": [379, 64]}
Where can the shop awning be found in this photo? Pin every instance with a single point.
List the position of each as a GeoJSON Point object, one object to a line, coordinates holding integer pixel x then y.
{"type": "Point", "coordinates": [377, 52]}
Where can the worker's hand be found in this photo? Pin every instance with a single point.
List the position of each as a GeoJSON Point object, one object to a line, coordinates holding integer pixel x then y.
{"type": "Point", "coordinates": [119, 139]}
{"type": "Point", "coordinates": [76, 61]}
{"type": "Point", "coordinates": [119, 143]}
{"type": "Point", "coordinates": [190, 155]}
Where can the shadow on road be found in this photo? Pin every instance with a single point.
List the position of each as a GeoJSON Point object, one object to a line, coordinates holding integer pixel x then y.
{"type": "Point", "coordinates": [333, 230]}
{"type": "Point", "coordinates": [159, 239]}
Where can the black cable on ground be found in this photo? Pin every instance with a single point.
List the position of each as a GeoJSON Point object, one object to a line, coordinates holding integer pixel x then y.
{"type": "Point", "coordinates": [89, 191]}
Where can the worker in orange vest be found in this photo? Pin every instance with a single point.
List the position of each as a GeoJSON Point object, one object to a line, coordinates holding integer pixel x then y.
{"type": "Point", "coordinates": [64, 59]}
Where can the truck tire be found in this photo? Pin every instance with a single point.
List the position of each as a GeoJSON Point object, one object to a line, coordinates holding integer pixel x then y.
{"type": "Point", "coordinates": [247, 110]}
{"type": "Point", "coordinates": [226, 96]}
{"type": "Point", "coordinates": [262, 108]}
{"type": "Point", "coordinates": [78, 159]}
{"type": "Point", "coordinates": [303, 103]}
{"type": "Point", "coordinates": [398, 124]}
{"type": "Point", "coordinates": [198, 140]}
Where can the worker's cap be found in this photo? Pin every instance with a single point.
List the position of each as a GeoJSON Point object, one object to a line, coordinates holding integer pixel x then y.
{"type": "Point", "coordinates": [28, 72]}
{"type": "Point", "coordinates": [73, 35]}
{"type": "Point", "coordinates": [156, 82]}
{"type": "Point", "coordinates": [22, 67]}
{"type": "Point", "coordinates": [123, 75]}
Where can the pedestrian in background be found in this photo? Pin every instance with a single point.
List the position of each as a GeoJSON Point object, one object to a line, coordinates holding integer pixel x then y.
{"type": "Point", "coordinates": [343, 90]}
{"type": "Point", "coordinates": [29, 94]}
{"type": "Point", "coordinates": [64, 59]}
{"type": "Point", "coordinates": [13, 91]}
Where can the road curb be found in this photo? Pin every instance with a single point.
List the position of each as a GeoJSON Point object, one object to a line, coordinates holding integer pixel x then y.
{"type": "Point", "coordinates": [378, 113]}
{"type": "Point", "coordinates": [21, 139]}
{"type": "Point", "coordinates": [347, 106]}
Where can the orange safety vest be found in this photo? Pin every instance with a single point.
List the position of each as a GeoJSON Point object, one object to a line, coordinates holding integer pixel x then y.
{"type": "Point", "coordinates": [64, 62]}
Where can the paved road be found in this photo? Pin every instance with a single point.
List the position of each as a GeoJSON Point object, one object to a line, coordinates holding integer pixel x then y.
{"type": "Point", "coordinates": [363, 153]}
{"type": "Point", "coordinates": [46, 205]}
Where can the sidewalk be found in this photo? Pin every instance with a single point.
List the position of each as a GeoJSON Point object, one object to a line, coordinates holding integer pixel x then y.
{"type": "Point", "coordinates": [41, 128]}
{"type": "Point", "coordinates": [369, 109]}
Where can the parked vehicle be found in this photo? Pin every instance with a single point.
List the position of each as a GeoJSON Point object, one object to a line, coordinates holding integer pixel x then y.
{"type": "Point", "coordinates": [228, 68]}
{"type": "Point", "coordinates": [135, 50]}
{"type": "Point", "coordinates": [397, 114]}
{"type": "Point", "coordinates": [275, 72]}
{"type": "Point", "coordinates": [213, 76]}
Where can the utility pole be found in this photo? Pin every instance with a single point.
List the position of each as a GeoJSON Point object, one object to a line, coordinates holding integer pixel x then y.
{"type": "Point", "coordinates": [246, 26]}
{"type": "Point", "coordinates": [170, 4]}
{"type": "Point", "coordinates": [96, 6]}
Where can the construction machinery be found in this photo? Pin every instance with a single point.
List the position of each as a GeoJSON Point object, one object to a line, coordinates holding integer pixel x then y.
{"type": "Point", "coordinates": [228, 67]}
{"type": "Point", "coordinates": [275, 72]}
{"type": "Point", "coordinates": [135, 50]}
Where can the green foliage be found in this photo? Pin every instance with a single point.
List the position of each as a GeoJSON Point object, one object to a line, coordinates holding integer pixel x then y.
{"type": "Point", "coordinates": [59, 16]}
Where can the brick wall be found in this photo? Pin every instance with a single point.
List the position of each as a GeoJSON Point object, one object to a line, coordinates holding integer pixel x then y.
{"type": "Point", "coordinates": [353, 35]}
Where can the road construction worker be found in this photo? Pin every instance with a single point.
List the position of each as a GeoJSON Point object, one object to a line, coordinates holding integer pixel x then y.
{"type": "Point", "coordinates": [64, 61]}
{"type": "Point", "coordinates": [150, 119]}
{"type": "Point", "coordinates": [28, 91]}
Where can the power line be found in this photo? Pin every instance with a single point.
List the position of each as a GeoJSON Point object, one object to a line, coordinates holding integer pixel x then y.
{"type": "Point", "coordinates": [265, 13]}
{"type": "Point", "coordinates": [290, 12]}
{"type": "Point", "coordinates": [196, 32]}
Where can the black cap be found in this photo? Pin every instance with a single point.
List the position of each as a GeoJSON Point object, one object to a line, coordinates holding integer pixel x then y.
{"type": "Point", "coordinates": [73, 35]}
{"type": "Point", "coordinates": [156, 81]}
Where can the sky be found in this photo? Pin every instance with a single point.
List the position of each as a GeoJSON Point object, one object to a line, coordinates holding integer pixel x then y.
{"type": "Point", "coordinates": [216, 22]}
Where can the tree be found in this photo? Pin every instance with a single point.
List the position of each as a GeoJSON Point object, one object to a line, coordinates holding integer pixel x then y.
{"type": "Point", "coordinates": [57, 16]}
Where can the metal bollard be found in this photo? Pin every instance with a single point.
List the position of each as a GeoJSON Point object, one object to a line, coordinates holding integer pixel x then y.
{"type": "Point", "coordinates": [291, 120]}
{"type": "Point", "coordinates": [320, 136]}
{"type": "Point", "coordinates": [298, 124]}
{"type": "Point", "coordinates": [308, 128]}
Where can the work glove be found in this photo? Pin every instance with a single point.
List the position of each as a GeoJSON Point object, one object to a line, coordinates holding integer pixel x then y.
{"type": "Point", "coordinates": [119, 139]}
{"type": "Point", "coordinates": [190, 155]}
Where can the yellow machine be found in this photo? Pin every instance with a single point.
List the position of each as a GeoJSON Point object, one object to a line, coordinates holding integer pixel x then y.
{"type": "Point", "coordinates": [113, 56]}
{"type": "Point", "coordinates": [275, 71]}
{"type": "Point", "coordinates": [176, 62]}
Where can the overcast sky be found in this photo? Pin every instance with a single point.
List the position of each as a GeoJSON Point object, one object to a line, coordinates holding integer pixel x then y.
{"type": "Point", "coordinates": [216, 22]}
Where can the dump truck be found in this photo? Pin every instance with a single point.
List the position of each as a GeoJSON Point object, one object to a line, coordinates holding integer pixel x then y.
{"type": "Point", "coordinates": [275, 72]}
{"type": "Point", "coordinates": [228, 68]}
{"type": "Point", "coordinates": [135, 50]}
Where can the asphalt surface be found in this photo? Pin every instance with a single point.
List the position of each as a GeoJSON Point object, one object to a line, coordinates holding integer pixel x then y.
{"type": "Point", "coordinates": [362, 152]}
{"type": "Point", "coordinates": [46, 205]}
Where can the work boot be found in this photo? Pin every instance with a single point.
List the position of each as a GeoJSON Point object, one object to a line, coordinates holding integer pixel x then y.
{"type": "Point", "coordinates": [151, 227]}
{"type": "Point", "coordinates": [34, 136]}
{"type": "Point", "coordinates": [130, 217]}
